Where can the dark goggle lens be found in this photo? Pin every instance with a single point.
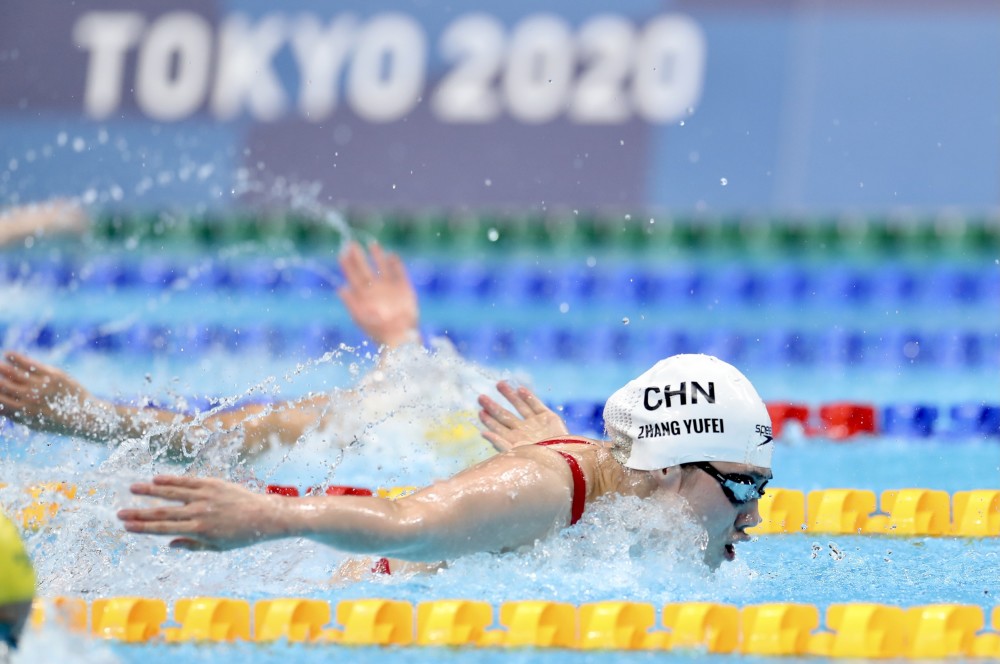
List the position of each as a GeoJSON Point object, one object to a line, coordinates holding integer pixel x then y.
{"type": "Point", "coordinates": [742, 489]}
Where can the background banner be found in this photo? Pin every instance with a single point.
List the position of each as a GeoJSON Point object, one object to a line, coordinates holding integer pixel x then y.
{"type": "Point", "coordinates": [798, 106]}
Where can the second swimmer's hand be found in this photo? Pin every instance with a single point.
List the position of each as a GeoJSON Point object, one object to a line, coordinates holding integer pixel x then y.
{"type": "Point", "coordinates": [381, 301]}
{"type": "Point", "coordinates": [506, 430]}
{"type": "Point", "coordinates": [43, 397]}
{"type": "Point", "coordinates": [213, 515]}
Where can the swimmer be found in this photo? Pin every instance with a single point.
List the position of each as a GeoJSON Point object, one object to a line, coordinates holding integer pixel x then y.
{"type": "Point", "coordinates": [17, 585]}
{"type": "Point", "coordinates": [379, 297]}
{"type": "Point", "coordinates": [55, 217]}
{"type": "Point", "coordinates": [691, 425]}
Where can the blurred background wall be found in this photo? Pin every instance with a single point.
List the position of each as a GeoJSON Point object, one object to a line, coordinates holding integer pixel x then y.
{"type": "Point", "coordinates": [778, 106]}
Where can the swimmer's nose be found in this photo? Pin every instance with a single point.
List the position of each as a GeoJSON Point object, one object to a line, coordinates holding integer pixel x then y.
{"type": "Point", "coordinates": [749, 516]}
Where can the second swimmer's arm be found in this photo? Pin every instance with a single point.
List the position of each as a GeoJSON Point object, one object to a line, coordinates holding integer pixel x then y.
{"type": "Point", "coordinates": [48, 399]}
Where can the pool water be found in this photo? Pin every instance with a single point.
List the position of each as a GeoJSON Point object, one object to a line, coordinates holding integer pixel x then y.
{"type": "Point", "coordinates": [621, 550]}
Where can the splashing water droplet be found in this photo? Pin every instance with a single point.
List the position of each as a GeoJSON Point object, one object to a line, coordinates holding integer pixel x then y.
{"type": "Point", "coordinates": [625, 320]}
{"type": "Point", "coordinates": [724, 181]}
{"type": "Point", "coordinates": [492, 235]}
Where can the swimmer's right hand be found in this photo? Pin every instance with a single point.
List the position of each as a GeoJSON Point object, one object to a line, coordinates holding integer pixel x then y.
{"type": "Point", "coordinates": [379, 295]}
{"type": "Point", "coordinates": [41, 397]}
{"type": "Point", "coordinates": [506, 431]}
{"type": "Point", "coordinates": [214, 515]}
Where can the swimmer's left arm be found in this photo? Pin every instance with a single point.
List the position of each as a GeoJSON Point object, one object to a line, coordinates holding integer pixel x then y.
{"type": "Point", "coordinates": [505, 502]}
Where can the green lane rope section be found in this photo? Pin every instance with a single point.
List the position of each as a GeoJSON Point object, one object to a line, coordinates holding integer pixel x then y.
{"type": "Point", "coordinates": [574, 231]}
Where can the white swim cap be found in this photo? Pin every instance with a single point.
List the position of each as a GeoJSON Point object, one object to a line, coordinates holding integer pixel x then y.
{"type": "Point", "coordinates": [688, 408]}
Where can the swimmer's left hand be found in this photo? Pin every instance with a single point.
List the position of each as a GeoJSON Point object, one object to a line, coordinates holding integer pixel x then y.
{"type": "Point", "coordinates": [506, 431]}
{"type": "Point", "coordinates": [213, 516]}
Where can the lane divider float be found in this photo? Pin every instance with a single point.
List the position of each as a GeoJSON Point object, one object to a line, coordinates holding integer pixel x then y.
{"type": "Point", "coordinates": [850, 630]}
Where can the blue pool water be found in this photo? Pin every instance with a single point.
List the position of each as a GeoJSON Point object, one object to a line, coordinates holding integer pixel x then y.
{"type": "Point", "coordinates": [621, 550]}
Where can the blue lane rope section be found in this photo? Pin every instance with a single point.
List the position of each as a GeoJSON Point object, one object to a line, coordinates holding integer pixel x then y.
{"type": "Point", "coordinates": [490, 343]}
{"type": "Point", "coordinates": [521, 282]}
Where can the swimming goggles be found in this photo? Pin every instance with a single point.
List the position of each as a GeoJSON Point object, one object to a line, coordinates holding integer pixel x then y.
{"type": "Point", "coordinates": [740, 489]}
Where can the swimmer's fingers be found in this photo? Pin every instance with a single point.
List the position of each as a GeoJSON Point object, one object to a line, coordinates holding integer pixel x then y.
{"type": "Point", "coordinates": [393, 270]}
{"type": "Point", "coordinates": [499, 443]}
{"type": "Point", "coordinates": [536, 405]}
{"type": "Point", "coordinates": [191, 544]}
{"type": "Point", "coordinates": [11, 393]}
{"type": "Point", "coordinates": [180, 494]}
{"type": "Point", "coordinates": [355, 266]}
{"type": "Point", "coordinates": [523, 400]}
{"type": "Point", "coordinates": [498, 412]}
{"type": "Point", "coordinates": [379, 257]}
{"type": "Point", "coordinates": [26, 372]}
{"type": "Point", "coordinates": [13, 378]}
{"type": "Point", "coordinates": [18, 359]}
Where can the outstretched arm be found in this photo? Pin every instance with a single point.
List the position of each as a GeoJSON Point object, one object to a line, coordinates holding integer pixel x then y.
{"type": "Point", "coordinates": [506, 431]}
{"type": "Point", "coordinates": [47, 399]}
{"type": "Point", "coordinates": [504, 502]}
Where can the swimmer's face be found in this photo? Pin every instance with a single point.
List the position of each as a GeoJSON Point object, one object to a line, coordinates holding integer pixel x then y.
{"type": "Point", "coordinates": [724, 521]}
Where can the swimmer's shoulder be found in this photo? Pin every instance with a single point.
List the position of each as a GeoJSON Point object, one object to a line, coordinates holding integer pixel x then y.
{"type": "Point", "coordinates": [594, 456]}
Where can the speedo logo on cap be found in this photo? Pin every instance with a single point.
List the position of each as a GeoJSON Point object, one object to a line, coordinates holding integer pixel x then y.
{"type": "Point", "coordinates": [654, 397]}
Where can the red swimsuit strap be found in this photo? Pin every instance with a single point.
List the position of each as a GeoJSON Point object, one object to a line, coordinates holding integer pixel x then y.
{"type": "Point", "coordinates": [579, 481]}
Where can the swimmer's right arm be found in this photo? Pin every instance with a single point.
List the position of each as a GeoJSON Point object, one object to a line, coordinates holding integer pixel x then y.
{"type": "Point", "coordinates": [379, 296]}
{"type": "Point", "coordinates": [505, 502]}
